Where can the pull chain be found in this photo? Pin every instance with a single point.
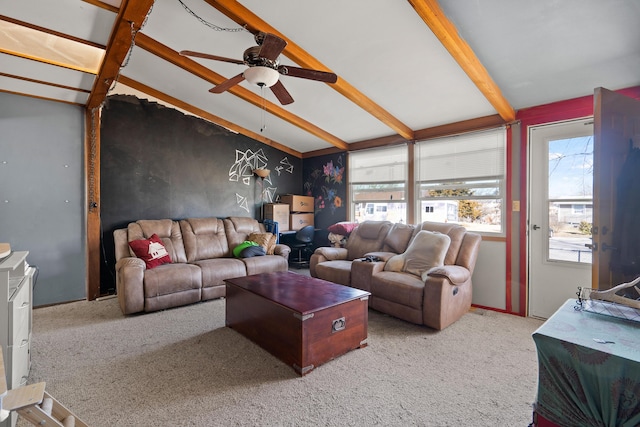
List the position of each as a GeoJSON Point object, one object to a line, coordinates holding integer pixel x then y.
{"type": "Point", "coordinates": [263, 126]}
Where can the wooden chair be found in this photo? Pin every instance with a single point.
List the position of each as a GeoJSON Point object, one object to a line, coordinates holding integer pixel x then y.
{"type": "Point", "coordinates": [34, 404]}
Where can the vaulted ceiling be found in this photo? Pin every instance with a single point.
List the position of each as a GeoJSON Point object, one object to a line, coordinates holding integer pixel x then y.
{"type": "Point", "coordinates": [405, 68]}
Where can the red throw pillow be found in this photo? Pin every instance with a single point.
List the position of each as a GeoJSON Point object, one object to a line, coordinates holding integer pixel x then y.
{"type": "Point", "coordinates": [151, 251]}
{"type": "Point", "coordinates": [342, 228]}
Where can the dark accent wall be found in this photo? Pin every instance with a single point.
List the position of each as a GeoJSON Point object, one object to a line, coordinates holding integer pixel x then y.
{"type": "Point", "coordinates": [325, 178]}
{"type": "Point", "coordinates": [157, 162]}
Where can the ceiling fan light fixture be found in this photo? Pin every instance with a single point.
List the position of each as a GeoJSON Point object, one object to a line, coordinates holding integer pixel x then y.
{"type": "Point", "coordinates": [261, 76]}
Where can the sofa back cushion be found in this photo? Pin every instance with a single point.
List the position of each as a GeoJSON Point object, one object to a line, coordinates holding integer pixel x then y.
{"type": "Point", "coordinates": [469, 251]}
{"type": "Point", "coordinates": [367, 237]}
{"type": "Point", "coordinates": [455, 232]}
{"type": "Point", "coordinates": [426, 250]}
{"type": "Point", "coordinates": [168, 231]}
{"type": "Point", "coordinates": [238, 229]}
{"type": "Point", "coordinates": [398, 238]}
{"type": "Point", "coordinates": [151, 251]}
{"type": "Point", "coordinates": [204, 238]}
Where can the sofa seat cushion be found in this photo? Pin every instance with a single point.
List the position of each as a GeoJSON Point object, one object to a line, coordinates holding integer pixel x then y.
{"type": "Point", "coordinates": [265, 264]}
{"type": "Point", "coordinates": [216, 270]}
{"type": "Point", "coordinates": [401, 288]}
{"type": "Point", "coordinates": [171, 278]}
{"type": "Point", "coordinates": [338, 271]}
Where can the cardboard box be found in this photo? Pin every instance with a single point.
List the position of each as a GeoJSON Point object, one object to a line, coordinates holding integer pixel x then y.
{"type": "Point", "coordinates": [299, 220]}
{"type": "Point", "coordinates": [278, 212]}
{"type": "Point", "coordinates": [298, 203]}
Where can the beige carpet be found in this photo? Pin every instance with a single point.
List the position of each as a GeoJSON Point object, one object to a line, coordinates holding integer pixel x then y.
{"type": "Point", "coordinates": [182, 367]}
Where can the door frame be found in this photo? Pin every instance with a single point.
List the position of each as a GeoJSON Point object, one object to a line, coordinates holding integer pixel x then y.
{"type": "Point", "coordinates": [545, 114]}
{"type": "Point", "coordinates": [545, 130]}
{"type": "Point", "coordinates": [548, 113]}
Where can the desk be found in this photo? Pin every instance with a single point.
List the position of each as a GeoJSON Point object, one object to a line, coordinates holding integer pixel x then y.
{"type": "Point", "coordinates": [585, 383]}
{"type": "Point", "coordinates": [291, 234]}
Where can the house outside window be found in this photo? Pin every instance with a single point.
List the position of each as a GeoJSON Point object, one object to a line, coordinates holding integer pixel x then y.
{"type": "Point", "coordinates": [378, 182]}
{"type": "Point", "coordinates": [461, 179]}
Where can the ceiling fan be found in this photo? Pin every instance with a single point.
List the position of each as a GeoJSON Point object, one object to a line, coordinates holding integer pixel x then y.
{"type": "Point", "coordinates": [264, 69]}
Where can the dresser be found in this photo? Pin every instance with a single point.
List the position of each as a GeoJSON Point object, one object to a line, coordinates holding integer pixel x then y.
{"type": "Point", "coordinates": [16, 292]}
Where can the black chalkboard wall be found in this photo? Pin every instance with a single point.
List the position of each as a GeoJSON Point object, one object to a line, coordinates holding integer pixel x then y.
{"type": "Point", "coordinates": [325, 178]}
{"type": "Point", "coordinates": [156, 162]}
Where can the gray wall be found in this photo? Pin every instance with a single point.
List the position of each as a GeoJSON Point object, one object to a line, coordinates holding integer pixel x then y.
{"type": "Point", "coordinates": [42, 192]}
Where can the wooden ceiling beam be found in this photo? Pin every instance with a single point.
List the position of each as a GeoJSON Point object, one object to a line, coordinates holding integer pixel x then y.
{"type": "Point", "coordinates": [243, 16]}
{"type": "Point", "coordinates": [432, 15]}
{"type": "Point", "coordinates": [204, 114]}
{"type": "Point", "coordinates": [152, 46]}
{"type": "Point", "coordinates": [457, 128]}
{"type": "Point", "coordinates": [130, 18]}
{"type": "Point", "coordinates": [102, 5]}
{"type": "Point", "coordinates": [42, 82]}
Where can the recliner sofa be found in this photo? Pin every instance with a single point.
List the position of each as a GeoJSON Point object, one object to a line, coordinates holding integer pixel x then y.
{"type": "Point", "coordinates": [201, 259]}
{"type": "Point", "coordinates": [435, 297]}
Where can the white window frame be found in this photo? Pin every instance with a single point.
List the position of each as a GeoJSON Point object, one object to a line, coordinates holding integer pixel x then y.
{"type": "Point", "coordinates": [379, 166]}
{"type": "Point", "coordinates": [466, 161]}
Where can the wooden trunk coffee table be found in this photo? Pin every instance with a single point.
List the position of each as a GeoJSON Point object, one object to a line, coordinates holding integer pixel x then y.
{"type": "Point", "coordinates": [303, 321]}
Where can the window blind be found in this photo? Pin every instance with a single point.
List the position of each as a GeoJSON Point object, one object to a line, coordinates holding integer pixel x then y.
{"type": "Point", "coordinates": [477, 155]}
{"type": "Point", "coordinates": [378, 165]}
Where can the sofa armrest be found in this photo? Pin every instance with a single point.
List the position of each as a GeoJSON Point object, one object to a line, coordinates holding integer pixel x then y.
{"type": "Point", "coordinates": [130, 284]}
{"type": "Point", "coordinates": [454, 273]}
{"type": "Point", "coordinates": [323, 254]}
{"type": "Point", "coordinates": [362, 273]}
{"type": "Point", "coordinates": [447, 296]}
{"type": "Point", "coordinates": [282, 250]}
{"type": "Point", "coordinates": [332, 254]}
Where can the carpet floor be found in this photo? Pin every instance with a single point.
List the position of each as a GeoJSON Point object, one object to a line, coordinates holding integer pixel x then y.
{"type": "Point", "coordinates": [183, 367]}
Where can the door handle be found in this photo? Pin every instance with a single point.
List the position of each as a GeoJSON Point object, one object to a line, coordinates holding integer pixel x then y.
{"type": "Point", "coordinates": [606, 247]}
{"type": "Point", "coordinates": [535, 227]}
{"type": "Point", "coordinates": [592, 246]}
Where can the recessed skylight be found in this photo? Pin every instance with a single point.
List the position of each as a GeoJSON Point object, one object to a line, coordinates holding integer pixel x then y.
{"type": "Point", "coordinates": [40, 46]}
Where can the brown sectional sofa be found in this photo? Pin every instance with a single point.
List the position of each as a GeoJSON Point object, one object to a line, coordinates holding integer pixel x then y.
{"type": "Point", "coordinates": [435, 297]}
{"type": "Point", "coordinates": [201, 259]}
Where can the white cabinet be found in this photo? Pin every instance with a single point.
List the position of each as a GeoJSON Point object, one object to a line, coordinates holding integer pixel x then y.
{"type": "Point", "coordinates": [16, 296]}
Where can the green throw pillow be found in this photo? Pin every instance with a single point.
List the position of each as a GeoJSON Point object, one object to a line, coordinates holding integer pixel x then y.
{"type": "Point", "coordinates": [242, 246]}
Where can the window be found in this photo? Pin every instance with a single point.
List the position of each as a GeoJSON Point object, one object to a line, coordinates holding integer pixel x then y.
{"type": "Point", "coordinates": [570, 198]}
{"type": "Point", "coordinates": [460, 179]}
{"type": "Point", "coordinates": [378, 184]}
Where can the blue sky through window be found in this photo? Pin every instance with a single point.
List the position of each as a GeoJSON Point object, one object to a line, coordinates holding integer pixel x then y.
{"type": "Point", "coordinates": [571, 168]}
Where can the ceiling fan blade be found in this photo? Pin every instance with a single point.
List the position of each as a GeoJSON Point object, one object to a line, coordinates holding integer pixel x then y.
{"type": "Point", "coordinates": [207, 56]}
{"type": "Point", "coordinates": [271, 47]}
{"type": "Point", "coordinates": [281, 93]}
{"type": "Point", "coordinates": [306, 73]}
{"type": "Point", "coordinates": [225, 85]}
